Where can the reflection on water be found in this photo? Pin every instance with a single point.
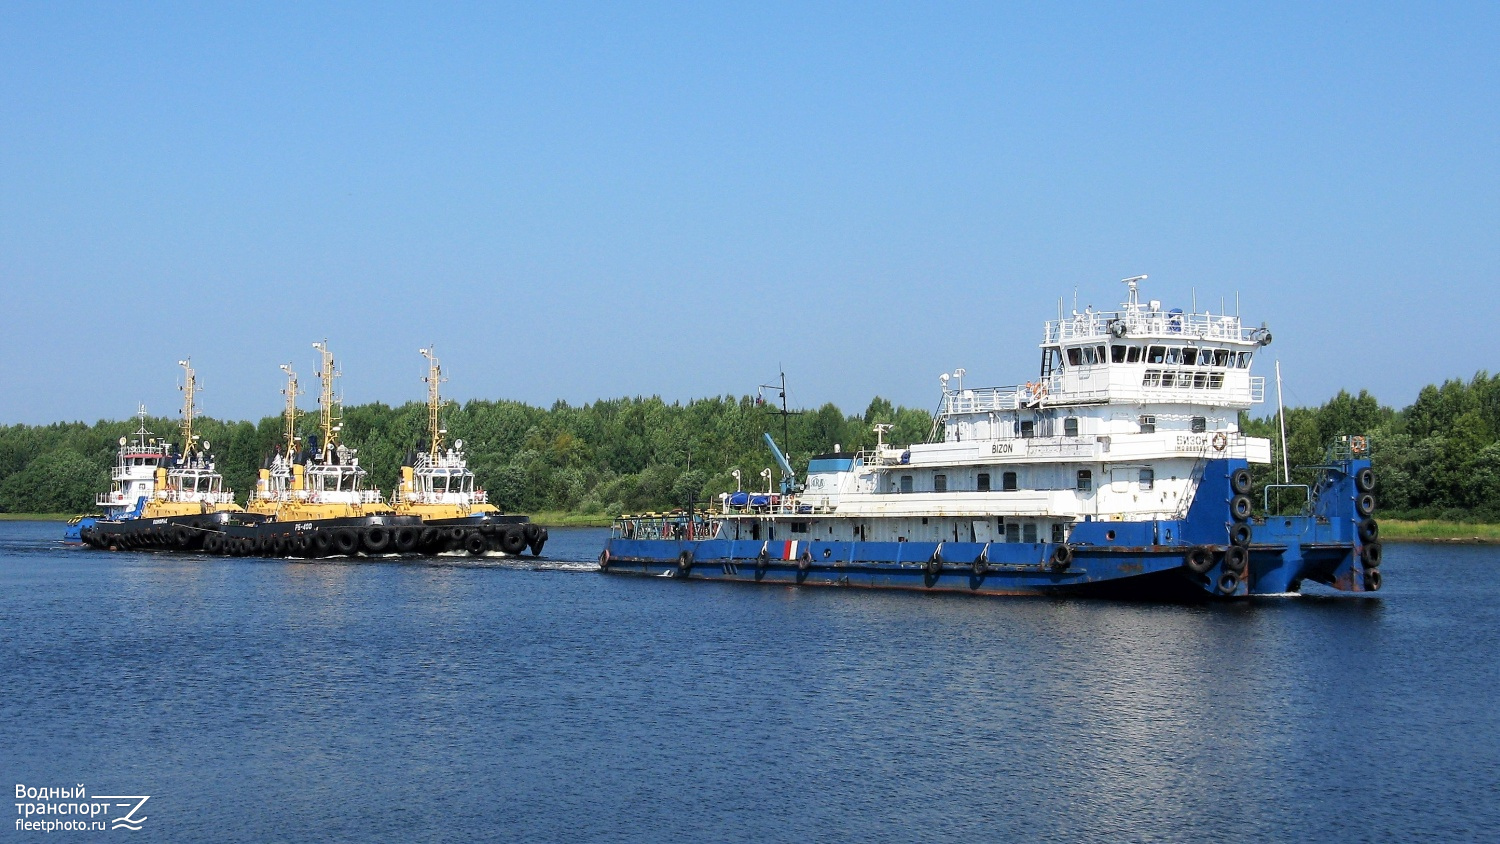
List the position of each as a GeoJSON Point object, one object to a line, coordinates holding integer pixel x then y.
{"type": "Point", "coordinates": [527, 699]}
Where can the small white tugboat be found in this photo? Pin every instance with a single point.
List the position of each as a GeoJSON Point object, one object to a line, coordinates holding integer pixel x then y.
{"type": "Point", "coordinates": [1119, 470]}
{"type": "Point", "coordinates": [438, 486]}
{"type": "Point", "coordinates": [160, 497]}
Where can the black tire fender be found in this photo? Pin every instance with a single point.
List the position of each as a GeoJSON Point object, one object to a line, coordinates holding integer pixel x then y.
{"type": "Point", "coordinates": [1239, 481]}
{"type": "Point", "coordinates": [513, 541]}
{"type": "Point", "coordinates": [1199, 559]}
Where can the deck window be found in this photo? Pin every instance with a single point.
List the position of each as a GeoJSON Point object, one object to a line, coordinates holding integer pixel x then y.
{"type": "Point", "coordinates": [1199, 424]}
{"type": "Point", "coordinates": [939, 483]}
{"type": "Point", "coordinates": [1148, 424]}
{"type": "Point", "coordinates": [1200, 380]}
{"type": "Point", "coordinates": [1216, 381]}
{"type": "Point", "coordinates": [1028, 532]}
{"type": "Point", "coordinates": [1059, 532]}
{"type": "Point", "coordinates": [1085, 480]}
{"type": "Point", "coordinates": [1028, 429]}
{"type": "Point", "coordinates": [799, 527]}
{"type": "Point", "coordinates": [1152, 379]}
{"type": "Point", "coordinates": [906, 483]}
{"type": "Point", "coordinates": [1013, 532]}
{"type": "Point", "coordinates": [1070, 426]}
{"type": "Point", "coordinates": [1008, 482]}
{"type": "Point", "coordinates": [1168, 378]}
{"type": "Point", "coordinates": [1148, 479]}
{"type": "Point", "coordinates": [984, 481]}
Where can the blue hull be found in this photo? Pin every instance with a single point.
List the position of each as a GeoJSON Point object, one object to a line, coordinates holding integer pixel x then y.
{"type": "Point", "coordinates": [1152, 559]}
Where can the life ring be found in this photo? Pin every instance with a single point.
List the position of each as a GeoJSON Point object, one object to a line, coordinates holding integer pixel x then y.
{"type": "Point", "coordinates": [1199, 559]}
{"type": "Point", "coordinates": [1062, 557]}
{"type": "Point", "coordinates": [685, 564]}
{"type": "Point", "coordinates": [1358, 445]}
{"type": "Point", "coordinates": [1220, 440]}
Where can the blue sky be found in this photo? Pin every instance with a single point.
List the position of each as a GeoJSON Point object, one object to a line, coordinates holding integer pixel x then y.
{"type": "Point", "coordinates": [595, 200]}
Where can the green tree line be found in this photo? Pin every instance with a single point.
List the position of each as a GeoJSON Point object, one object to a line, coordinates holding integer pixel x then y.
{"type": "Point", "coordinates": [1437, 458]}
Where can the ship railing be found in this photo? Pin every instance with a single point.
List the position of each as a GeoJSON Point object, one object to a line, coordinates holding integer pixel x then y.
{"type": "Point", "coordinates": [1095, 324]}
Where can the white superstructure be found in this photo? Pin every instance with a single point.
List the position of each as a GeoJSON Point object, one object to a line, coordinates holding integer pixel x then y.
{"type": "Point", "coordinates": [1125, 407]}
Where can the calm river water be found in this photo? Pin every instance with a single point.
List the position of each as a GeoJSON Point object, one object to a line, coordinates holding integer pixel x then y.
{"type": "Point", "coordinates": [437, 701]}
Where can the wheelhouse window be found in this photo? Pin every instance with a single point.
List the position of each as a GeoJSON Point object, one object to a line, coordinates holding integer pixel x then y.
{"type": "Point", "coordinates": [1190, 356]}
{"type": "Point", "coordinates": [1174, 356]}
{"type": "Point", "coordinates": [1156, 354]}
{"type": "Point", "coordinates": [1085, 480]}
{"type": "Point", "coordinates": [1133, 354]}
{"type": "Point", "coordinates": [1244, 360]}
{"type": "Point", "coordinates": [1008, 482]}
{"type": "Point", "coordinates": [1116, 354]}
{"type": "Point", "coordinates": [1070, 426]}
{"type": "Point", "coordinates": [1221, 357]}
{"type": "Point", "coordinates": [1075, 356]}
{"type": "Point", "coordinates": [1148, 479]}
{"type": "Point", "coordinates": [984, 481]}
{"type": "Point", "coordinates": [1148, 424]}
{"type": "Point", "coordinates": [939, 483]}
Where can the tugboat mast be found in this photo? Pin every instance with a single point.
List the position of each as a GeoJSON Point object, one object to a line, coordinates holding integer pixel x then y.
{"type": "Point", "coordinates": [189, 388]}
{"type": "Point", "coordinates": [290, 413]}
{"type": "Point", "coordinates": [434, 403]}
{"type": "Point", "coordinates": [327, 402]}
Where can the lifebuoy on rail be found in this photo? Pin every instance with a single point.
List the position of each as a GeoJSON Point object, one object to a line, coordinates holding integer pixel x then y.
{"type": "Point", "coordinates": [1220, 440]}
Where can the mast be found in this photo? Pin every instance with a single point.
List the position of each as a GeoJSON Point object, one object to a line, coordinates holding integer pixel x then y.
{"type": "Point", "coordinates": [328, 404]}
{"type": "Point", "coordinates": [434, 403]}
{"type": "Point", "coordinates": [189, 388]}
{"type": "Point", "coordinates": [1286, 471]}
{"type": "Point", "coordinates": [290, 413]}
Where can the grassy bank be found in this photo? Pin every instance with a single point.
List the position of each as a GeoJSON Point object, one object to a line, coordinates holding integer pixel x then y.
{"type": "Point", "coordinates": [1431, 530]}
{"type": "Point", "coordinates": [36, 517]}
{"type": "Point", "coordinates": [564, 518]}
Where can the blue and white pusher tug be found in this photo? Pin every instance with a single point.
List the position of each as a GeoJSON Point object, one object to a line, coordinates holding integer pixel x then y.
{"type": "Point", "coordinates": [1119, 471]}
